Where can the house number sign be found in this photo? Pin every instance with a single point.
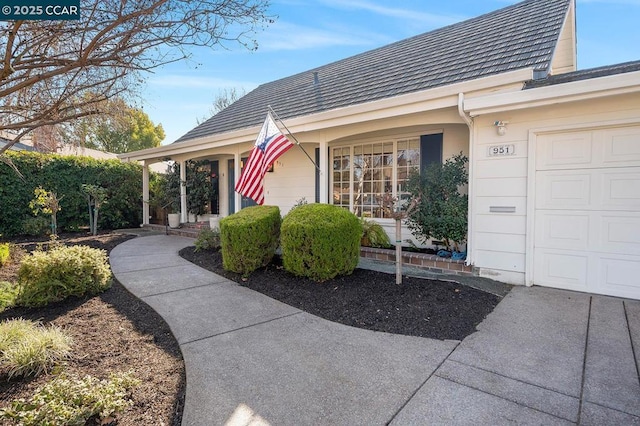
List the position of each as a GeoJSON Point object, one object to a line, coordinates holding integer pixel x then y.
{"type": "Point", "coordinates": [500, 150]}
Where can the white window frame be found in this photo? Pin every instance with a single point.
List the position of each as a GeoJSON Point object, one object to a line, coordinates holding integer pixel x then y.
{"type": "Point", "coordinates": [354, 142]}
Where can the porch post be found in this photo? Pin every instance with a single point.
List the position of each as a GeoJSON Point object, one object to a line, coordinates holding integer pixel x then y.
{"type": "Point", "coordinates": [145, 192]}
{"type": "Point", "coordinates": [237, 198]}
{"type": "Point", "coordinates": [324, 175]}
{"type": "Point", "coordinates": [183, 191]}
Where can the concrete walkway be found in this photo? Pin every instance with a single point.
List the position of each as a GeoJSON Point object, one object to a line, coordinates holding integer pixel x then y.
{"type": "Point", "coordinates": [543, 356]}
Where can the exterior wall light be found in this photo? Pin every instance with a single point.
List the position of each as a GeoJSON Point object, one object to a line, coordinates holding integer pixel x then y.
{"type": "Point", "coordinates": [501, 127]}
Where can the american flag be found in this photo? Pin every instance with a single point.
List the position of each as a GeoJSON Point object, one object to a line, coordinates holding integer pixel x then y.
{"type": "Point", "coordinates": [270, 145]}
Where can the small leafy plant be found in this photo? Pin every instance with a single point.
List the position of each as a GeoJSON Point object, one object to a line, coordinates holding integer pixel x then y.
{"type": "Point", "coordinates": [46, 202]}
{"type": "Point", "coordinates": [441, 211]}
{"type": "Point", "coordinates": [50, 276]}
{"type": "Point", "coordinates": [208, 239]}
{"type": "Point", "coordinates": [30, 349]}
{"type": "Point", "coordinates": [73, 401]}
{"type": "Point", "coordinates": [373, 235]}
{"type": "Point", "coordinates": [4, 253]}
{"type": "Point", "coordinates": [8, 295]}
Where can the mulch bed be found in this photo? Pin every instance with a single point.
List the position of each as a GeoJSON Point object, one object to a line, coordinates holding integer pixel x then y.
{"type": "Point", "coordinates": [369, 299]}
{"type": "Point", "coordinates": [112, 332]}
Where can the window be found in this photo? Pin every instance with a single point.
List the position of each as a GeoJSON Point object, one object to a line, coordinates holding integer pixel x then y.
{"type": "Point", "coordinates": [363, 172]}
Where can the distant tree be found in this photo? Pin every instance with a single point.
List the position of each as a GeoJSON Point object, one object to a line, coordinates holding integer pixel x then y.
{"type": "Point", "coordinates": [132, 132]}
{"type": "Point", "coordinates": [223, 99]}
{"type": "Point", "coordinates": [120, 129]}
{"type": "Point", "coordinates": [55, 72]}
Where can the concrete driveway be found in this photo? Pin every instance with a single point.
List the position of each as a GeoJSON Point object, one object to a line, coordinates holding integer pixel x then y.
{"type": "Point", "coordinates": [543, 356]}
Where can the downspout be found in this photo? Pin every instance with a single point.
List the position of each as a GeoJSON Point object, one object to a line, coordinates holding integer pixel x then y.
{"type": "Point", "coordinates": [469, 121]}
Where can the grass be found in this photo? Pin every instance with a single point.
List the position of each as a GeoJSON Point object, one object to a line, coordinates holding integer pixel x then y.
{"type": "Point", "coordinates": [30, 349]}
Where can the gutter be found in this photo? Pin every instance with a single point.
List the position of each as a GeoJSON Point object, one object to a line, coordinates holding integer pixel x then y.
{"type": "Point", "coordinates": [469, 122]}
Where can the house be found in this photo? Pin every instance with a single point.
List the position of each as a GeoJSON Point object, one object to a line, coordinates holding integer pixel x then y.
{"type": "Point", "coordinates": [554, 152]}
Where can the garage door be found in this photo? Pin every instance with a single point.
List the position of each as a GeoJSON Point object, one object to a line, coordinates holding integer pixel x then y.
{"type": "Point", "coordinates": [587, 211]}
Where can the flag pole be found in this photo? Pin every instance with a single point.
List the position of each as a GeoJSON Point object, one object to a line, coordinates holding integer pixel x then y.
{"type": "Point", "coordinates": [277, 117]}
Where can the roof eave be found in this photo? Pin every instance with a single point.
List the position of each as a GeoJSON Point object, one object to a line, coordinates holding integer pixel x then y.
{"type": "Point", "coordinates": [561, 93]}
{"type": "Point", "coordinates": [422, 101]}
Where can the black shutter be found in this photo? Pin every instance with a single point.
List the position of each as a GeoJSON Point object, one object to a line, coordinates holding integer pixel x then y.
{"type": "Point", "coordinates": [430, 149]}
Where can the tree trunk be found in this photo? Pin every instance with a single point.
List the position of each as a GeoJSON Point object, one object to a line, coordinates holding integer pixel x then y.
{"type": "Point", "coordinates": [398, 252]}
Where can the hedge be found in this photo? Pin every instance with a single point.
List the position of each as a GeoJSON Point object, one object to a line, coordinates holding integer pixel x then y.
{"type": "Point", "coordinates": [64, 175]}
{"type": "Point", "coordinates": [320, 241]}
{"type": "Point", "coordinates": [249, 238]}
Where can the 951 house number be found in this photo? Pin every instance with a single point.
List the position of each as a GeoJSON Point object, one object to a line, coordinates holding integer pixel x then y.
{"type": "Point", "coordinates": [499, 150]}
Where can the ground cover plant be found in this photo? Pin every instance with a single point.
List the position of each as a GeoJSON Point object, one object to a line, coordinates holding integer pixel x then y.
{"type": "Point", "coordinates": [368, 299]}
{"type": "Point", "coordinates": [113, 333]}
{"type": "Point", "coordinates": [30, 349]}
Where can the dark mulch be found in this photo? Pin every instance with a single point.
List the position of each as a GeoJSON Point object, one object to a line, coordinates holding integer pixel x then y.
{"type": "Point", "coordinates": [112, 332]}
{"type": "Point", "coordinates": [369, 299]}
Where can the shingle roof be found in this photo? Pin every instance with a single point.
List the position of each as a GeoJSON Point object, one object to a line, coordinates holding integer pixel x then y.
{"type": "Point", "coordinates": [584, 74]}
{"type": "Point", "coordinates": [520, 36]}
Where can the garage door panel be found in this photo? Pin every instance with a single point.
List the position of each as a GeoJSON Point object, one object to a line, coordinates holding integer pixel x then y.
{"type": "Point", "coordinates": [621, 146]}
{"type": "Point", "coordinates": [619, 234]}
{"type": "Point", "coordinates": [562, 230]}
{"type": "Point", "coordinates": [615, 274]}
{"type": "Point", "coordinates": [563, 190]}
{"type": "Point", "coordinates": [620, 189]}
{"type": "Point", "coordinates": [561, 150]}
{"type": "Point", "coordinates": [557, 268]}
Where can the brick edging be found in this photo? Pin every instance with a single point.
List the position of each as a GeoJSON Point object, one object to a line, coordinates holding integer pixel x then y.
{"type": "Point", "coordinates": [430, 262]}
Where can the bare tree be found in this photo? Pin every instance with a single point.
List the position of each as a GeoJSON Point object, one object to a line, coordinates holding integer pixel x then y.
{"type": "Point", "coordinates": [223, 99]}
{"type": "Point", "coordinates": [53, 72]}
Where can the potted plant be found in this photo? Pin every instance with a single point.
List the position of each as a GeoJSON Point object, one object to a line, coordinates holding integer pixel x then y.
{"type": "Point", "coordinates": [198, 188]}
{"type": "Point", "coordinates": [169, 195]}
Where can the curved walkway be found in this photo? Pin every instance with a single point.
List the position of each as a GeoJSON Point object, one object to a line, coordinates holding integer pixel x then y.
{"type": "Point", "coordinates": [542, 357]}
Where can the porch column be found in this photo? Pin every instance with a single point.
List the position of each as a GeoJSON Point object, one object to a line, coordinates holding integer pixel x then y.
{"type": "Point", "coordinates": [324, 174]}
{"type": "Point", "coordinates": [183, 191]}
{"type": "Point", "coordinates": [237, 198]}
{"type": "Point", "coordinates": [145, 192]}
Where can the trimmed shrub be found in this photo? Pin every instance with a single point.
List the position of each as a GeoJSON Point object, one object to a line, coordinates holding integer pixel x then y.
{"type": "Point", "coordinates": [4, 253]}
{"type": "Point", "coordinates": [373, 235]}
{"type": "Point", "coordinates": [249, 238]}
{"type": "Point", "coordinates": [30, 349]}
{"type": "Point", "coordinates": [320, 241]}
{"type": "Point", "coordinates": [50, 276]}
{"type": "Point", "coordinates": [208, 239]}
{"type": "Point", "coordinates": [73, 401]}
{"type": "Point", "coordinates": [8, 295]}
{"type": "Point", "coordinates": [36, 226]}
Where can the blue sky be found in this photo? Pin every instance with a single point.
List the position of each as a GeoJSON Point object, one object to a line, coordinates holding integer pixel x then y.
{"type": "Point", "coordinates": [310, 33]}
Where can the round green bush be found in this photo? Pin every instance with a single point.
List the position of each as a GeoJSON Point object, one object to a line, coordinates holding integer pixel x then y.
{"type": "Point", "coordinates": [320, 241]}
{"type": "Point", "coordinates": [50, 276]}
{"type": "Point", "coordinates": [249, 238]}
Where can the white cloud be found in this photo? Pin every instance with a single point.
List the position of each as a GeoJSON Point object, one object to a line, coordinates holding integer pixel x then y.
{"type": "Point", "coordinates": [425, 18]}
{"type": "Point", "coordinates": [288, 36]}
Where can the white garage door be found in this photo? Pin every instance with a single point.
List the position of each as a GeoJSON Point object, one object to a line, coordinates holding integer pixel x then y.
{"type": "Point", "coordinates": [587, 211]}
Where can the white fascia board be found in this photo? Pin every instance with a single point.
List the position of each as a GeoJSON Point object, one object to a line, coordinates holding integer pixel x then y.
{"type": "Point", "coordinates": [559, 93]}
{"type": "Point", "coordinates": [426, 100]}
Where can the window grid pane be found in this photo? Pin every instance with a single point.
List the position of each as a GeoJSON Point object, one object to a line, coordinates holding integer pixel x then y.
{"type": "Point", "coordinates": [408, 160]}
{"type": "Point", "coordinates": [341, 176]}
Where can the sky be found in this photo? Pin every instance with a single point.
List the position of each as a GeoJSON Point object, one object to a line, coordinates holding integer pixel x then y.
{"type": "Point", "coordinates": [311, 33]}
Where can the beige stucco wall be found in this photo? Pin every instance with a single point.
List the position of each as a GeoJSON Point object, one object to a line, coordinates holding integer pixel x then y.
{"type": "Point", "coordinates": [499, 239]}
